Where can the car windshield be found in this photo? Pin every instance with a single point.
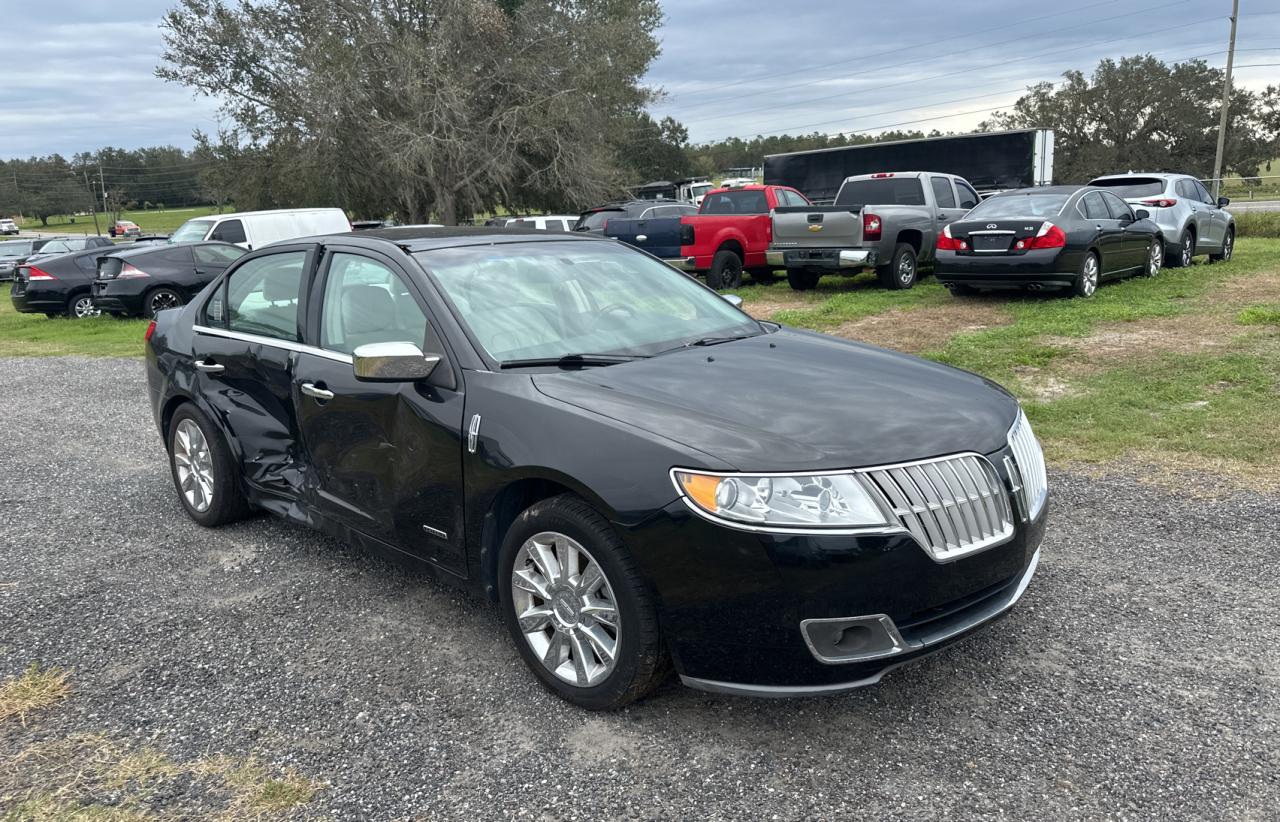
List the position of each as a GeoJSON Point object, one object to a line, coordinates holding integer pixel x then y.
{"type": "Point", "coordinates": [1019, 205]}
{"type": "Point", "coordinates": [15, 248]}
{"type": "Point", "coordinates": [549, 300]}
{"type": "Point", "coordinates": [191, 231]}
{"type": "Point", "coordinates": [597, 219]}
{"type": "Point", "coordinates": [1132, 186]}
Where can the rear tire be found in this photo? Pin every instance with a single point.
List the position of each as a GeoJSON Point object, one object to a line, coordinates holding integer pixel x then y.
{"type": "Point", "coordinates": [565, 620]}
{"type": "Point", "coordinates": [204, 471]}
{"type": "Point", "coordinates": [801, 280]}
{"type": "Point", "coordinates": [903, 271]}
{"type": "Point", "coordinates": [1086, 282]}
{"type": "Point", "coordinates": [1228, 248]}
{"type": "Point", "coordinates": [725, 271]}
{"type": "Point", "coordinates": [159, 300]}
{"type": "Point", "coordinates": [1186, 251]}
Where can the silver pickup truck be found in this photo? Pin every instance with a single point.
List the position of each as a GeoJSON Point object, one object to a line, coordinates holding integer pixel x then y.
{"type": "Point", "coordinates": [887, 221]}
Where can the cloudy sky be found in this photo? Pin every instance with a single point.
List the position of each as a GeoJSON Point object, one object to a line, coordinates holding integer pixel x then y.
{"type": "Point", "coordinates": [79, 74]}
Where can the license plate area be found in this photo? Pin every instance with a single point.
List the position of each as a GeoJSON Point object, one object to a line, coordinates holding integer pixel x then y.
{"type": "Point", "coordinates": [991, 242]}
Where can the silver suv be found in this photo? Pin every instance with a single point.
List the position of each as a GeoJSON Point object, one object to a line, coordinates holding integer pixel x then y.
{"type": "Point", "coordinates": [1190, 221]}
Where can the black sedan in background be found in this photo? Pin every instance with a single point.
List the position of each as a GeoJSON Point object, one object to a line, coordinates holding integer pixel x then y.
{"type": "Point", "coordinates": [143, 280]}
{"type": "Point", "coordinates": [1052, 237]}
{"type": "Point", "coordinates": [63, 245]}
{"type": "Point", "coordinates": [640, 474]}
{"type": "Point", "coordinates": [59, 285]}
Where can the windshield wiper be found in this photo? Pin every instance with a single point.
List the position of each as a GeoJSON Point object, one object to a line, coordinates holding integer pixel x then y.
{"type": "Point", "coordinates": [573, 359]}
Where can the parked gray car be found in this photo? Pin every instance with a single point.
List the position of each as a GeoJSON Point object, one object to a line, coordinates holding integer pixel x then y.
{"type": "Point", "coordinates": [889, 221]}
{"type": "Point", "coordinates": [1189, 219]}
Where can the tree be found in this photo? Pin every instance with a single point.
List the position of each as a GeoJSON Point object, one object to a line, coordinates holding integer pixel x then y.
{"type": "Point", "coordinates": [427, 107]}
{"type": "Point", "coordinates": [1140, 114]}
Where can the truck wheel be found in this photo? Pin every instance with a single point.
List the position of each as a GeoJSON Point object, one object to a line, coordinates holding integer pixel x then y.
{"type": "Point", "coordinates": [901, 272]}
{"type": "Point", "coordinates": [726, 270]}
{"type": "Point", "coordinates": [801, 280]}
{"type": "Point", "coordinates": [762, 276]}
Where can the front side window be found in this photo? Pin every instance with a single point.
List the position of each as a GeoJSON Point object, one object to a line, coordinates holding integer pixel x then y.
{"type": "Point", "coordinates": [555, 299]}
{"type": "Point", "coordinates": [366, 301]}
{"type": "Point", "coordinates": [1202, 193]}
{"type": "Point", "coordinates": [1094, 207]}
{"type": "Point", "coordinates": [229, 231]}
{"type": "Point", "coordinates": [1118, 208]}
{"type": "Point", "coordinates": [597, 219]}
{"type": "Point", "coordinates": [262, 296]}
{"type": "Point", "coordinates": [218, 256]}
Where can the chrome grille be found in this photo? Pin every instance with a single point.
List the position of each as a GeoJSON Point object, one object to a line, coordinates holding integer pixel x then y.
{"type": "Point", "coordinates": [1028, 472]}
{"type": "Point", "coordinates": [953, 506]}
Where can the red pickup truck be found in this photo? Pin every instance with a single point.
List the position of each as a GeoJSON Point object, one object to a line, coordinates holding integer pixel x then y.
{"type": "Point", "coordinates": [729, 234]}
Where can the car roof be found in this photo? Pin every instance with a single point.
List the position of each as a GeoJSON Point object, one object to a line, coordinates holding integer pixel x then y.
{"type": "Point", "coordinates": [1040, 190]}
{"type": "Point", "coordinates": [428, 239]}
{"type": "Point", "coordinates": [139, 250]}
{"type": "Point", "coordinates": [1163, 175]}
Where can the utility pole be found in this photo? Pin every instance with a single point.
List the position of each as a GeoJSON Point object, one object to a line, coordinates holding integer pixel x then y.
{"type": "Point", "coordinates": [1226, 98]}
{"type": "Point", "coordinates": [101, 182]}
{"type": "Point", "coordinates": [93, 202]}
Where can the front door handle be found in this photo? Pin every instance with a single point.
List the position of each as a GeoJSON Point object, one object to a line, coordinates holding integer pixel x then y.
{"type": "Point", "coordinates": [312, 390]}
{"type": "Point", "coordinates": [210, 367]}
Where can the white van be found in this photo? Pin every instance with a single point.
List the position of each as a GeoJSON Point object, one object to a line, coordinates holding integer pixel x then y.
{"type": "Point", "coordinates": [254, 229]}
{"type": "Point", "coordinates": [545, 222]}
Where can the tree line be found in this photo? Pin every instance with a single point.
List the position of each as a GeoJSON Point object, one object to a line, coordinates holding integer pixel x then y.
{"type": "Point", "coordinates": [435, 110]}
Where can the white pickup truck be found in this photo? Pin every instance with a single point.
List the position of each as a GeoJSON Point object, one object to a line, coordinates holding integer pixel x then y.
{"type": "Point", "coordinates": [887, 221]}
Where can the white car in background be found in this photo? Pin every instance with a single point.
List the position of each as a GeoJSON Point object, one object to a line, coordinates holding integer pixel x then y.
{"type": "Point", "coordinates": [8, 226]}
{"type": "Point", "coordinates": [546, 222]}
{"type": "Point", "coordinates": [254, 229]}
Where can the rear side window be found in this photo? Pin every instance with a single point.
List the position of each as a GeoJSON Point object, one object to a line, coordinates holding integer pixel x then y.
{"type": "Point", "coordinates": [229, 231]}
{"type": "Point", "coordinates": [882, 191]}
{"type": "Point", "coordinates": [1127, 187]}
{"type": "Point", "coordinates": [736, 202]}
{"type": "Point", "coordinates": [790, 198]}
{"type": "Point", "coordinates": [219, 256]}
{"type": "Point", "coordinates": [968, 197]}
{"type": "Point", "coordinates": [942, 192]}
{"type": "Point", "coordinates": [262, 296]}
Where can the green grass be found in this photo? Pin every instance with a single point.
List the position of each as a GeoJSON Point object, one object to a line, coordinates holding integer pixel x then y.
{"type": "Point", "coordinates": [35, 335]}
{"type": "Point", "coordinates": [151, 221]}
{"type": "Point", "coordinates": [1259, 315]}
{"type": "Point", "coordinates": [1258, 224]}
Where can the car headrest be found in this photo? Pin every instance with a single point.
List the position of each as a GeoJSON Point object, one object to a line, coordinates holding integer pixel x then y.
{"type": "Point", "coordinates": [366, 309]}
{"type": "Point", "coordinates": [279, 289]}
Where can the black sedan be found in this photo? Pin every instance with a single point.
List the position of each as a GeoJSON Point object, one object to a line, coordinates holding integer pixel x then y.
{"type": "Point", "coordinates": [143, 280]}
{"type": "Point", "coordinates": [641, 475]}
{"type": "Point", "coordinates": [1053, 237]}
{"type": "Point", "coordinates": [57, 286]}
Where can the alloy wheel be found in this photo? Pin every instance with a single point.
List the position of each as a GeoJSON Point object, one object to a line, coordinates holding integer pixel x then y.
{"type": "Point", "coordinates": [566, 608]}
{"type": "Point", "coordinates": [83, 307]}
{"type": "Point", "coordinates": [1228, 245]}
{"type": "Point", "coordinates": [163, 300]}
{"type": "Point", "coordinates": [1089, 277]}
{"type": "Point", "coordinates": [193, 462]}
{"type": "Point", "coordinates": [1155, 258]}
{"type": "Point", "coordinates": [906, 269]}
{"type": "Point", "coordinates": [1187, 249]}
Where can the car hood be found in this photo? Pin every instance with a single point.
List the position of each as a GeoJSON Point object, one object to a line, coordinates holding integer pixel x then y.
{"type": "Point", "coordinates": [794, 400]}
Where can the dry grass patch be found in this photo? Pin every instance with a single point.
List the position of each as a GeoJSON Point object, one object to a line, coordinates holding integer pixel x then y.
{"type": "Point", "coordinates": [764, 309]}
{"type": "Point", "coordinates": [925, 328]}
{"type": "Point", "coordinates": [1129, 342]}
{"type": "Point", "coordinates": [33, 689]}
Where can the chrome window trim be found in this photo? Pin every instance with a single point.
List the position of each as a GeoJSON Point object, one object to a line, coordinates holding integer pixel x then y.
{"type": "Point", "coordinates": [275, 342]}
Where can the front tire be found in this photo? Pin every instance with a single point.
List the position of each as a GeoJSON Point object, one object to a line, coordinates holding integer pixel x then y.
{"type": "Point", "coordinates": [577, 608]}
{"type": "Point", "coordinates": [903, 271]}
{"type": "Point", "coordinates": [725, 271]}
{"type": "Point", "coordinates": [1155, 258]}
{"type": "Point", "coordinates": [801, 280]}
{"type": "Point", "coordinates": [204, 472]}
{"type": "Point", "coordinates": [1228, 248]}
{"type": "Point", "coordinates": [1086, 283]}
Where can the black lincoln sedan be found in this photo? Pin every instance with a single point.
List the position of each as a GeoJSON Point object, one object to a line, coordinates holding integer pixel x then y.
{"type": "Point", "coordinates": [139, 281]}
{"type": "Point", "coordinates": [1053, 237]}
{"type": "Point", "coordinates": [638, 473]}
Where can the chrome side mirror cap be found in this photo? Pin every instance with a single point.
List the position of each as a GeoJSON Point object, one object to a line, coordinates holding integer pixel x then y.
{"type": "Point", "coordinates": [733, 300]}
{"type": "Point", "coordinates": [392, 362]}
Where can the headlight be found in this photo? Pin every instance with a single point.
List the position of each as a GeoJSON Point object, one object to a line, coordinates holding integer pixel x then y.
{"type": "Point", "coordinates": [783, 501]}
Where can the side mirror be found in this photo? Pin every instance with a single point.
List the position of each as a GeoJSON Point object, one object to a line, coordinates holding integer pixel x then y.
{"type": "Point", "coordinates": [1128, 219]}
{"type": "Point", "coordinates": [1142, 213]}
{"type": "Point", "coordinates": [1223, 202]}
{"type": "Point", "coordinates": [392, 362]}
{"type": "Point", "coordinates": [733, 300]}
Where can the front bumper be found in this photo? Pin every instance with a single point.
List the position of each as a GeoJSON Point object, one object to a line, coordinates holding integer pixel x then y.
{"type": "Point", "coordinates": [682, 263]}
{"type": "Point", "coordinates": [826, 259]}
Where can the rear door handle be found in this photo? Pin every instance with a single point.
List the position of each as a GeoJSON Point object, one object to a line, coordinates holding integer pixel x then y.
{"type": "Point", "coordinates": [312, 390]}
{"type": "Point", "coordinates": [210, 367]}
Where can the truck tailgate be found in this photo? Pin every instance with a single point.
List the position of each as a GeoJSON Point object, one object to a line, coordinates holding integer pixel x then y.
{"type": "Point", "coordinates": [817, 227]}
{"type": "Point", "coordinates": [660, 236]}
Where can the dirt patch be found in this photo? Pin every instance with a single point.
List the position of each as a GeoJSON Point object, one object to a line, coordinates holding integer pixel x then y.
{"type": "Point", "coordinates": [1247, 290]}
{"type": "Point", "coordinates": [765, 309]}
{"type": "Point", "coordinates": [924, 329]}
{"type": "Point", "coordinates": [1042, 386]}
{"type": "Point", "coordinates": [1125, 343]}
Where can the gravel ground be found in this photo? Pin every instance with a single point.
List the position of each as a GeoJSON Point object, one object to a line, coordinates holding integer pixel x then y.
{"type": "Point", "coordinates": [1138, 678]}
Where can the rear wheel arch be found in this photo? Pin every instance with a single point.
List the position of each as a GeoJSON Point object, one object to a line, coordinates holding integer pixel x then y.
{"type": "Point", "coordinates": [911, 237]}
{"type": "Point", "coordinates": [732, 245]}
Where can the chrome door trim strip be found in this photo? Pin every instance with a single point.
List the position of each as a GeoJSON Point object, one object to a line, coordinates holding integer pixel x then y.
{"type": "Point", "coordinates": [287, 345]}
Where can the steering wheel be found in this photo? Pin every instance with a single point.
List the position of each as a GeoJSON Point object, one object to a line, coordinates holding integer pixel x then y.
{"type": "Point", "coordinates": [612, 308]}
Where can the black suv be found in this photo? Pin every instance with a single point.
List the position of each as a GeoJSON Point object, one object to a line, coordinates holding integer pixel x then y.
{"type": "Point", "coordinates": [592, 220]}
